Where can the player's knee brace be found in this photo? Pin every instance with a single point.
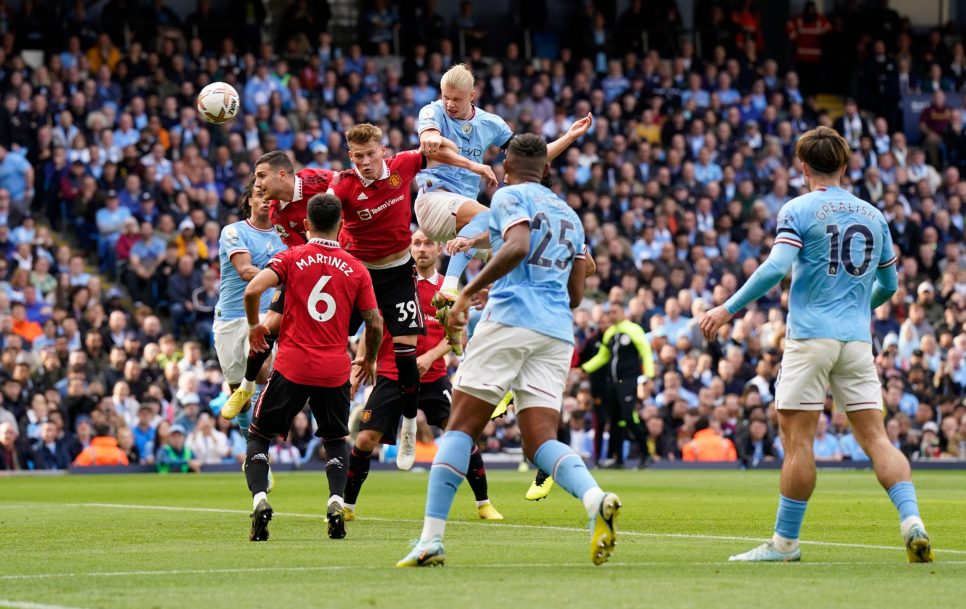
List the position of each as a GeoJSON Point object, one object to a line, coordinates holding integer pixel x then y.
{"type": "Point", "coordinates": [408, 378]}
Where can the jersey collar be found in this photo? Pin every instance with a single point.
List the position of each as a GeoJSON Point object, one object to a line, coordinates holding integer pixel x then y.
{"type": "Point", "coordinates": [368, 183]}
{"type": "Point", "coordinates": [296, 195]}
{"type": "Point", "coordinates": [325, 242]}
{"type": "Point", "coordinates": [433, 280]}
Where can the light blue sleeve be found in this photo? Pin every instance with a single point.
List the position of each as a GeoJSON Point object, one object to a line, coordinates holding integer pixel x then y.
{"type": "Point", "coordinates": [506, 210]}
{"type": "Point", "coordinates": [430, 117]}
{"type": "Point", "coordinates": [232, 240]}
{"type": "Point", "coordinates": [888, 255]}
{"type": "Point", "coordinates": [765, 277]}
{"type": "Point", "coordinates": [502, 132]}
{"type": "Point", "coordinates": [886, 277]}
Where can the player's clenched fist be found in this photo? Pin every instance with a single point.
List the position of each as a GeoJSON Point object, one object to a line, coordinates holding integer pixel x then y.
{"type": "Point", "coordinates": [430, 143]}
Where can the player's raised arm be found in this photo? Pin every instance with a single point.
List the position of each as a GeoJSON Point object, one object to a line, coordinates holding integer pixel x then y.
{"type": "Point", "coordinates": [576, 131]}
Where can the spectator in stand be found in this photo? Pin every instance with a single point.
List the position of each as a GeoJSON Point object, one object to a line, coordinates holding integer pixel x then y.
{"type": "Point", "coordinates": [103, 450]}
{"type": "Point", "coordinates": [181, 286]}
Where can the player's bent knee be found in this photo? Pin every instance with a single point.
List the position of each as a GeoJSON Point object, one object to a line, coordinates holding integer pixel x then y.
{"type": "Point", "coordinates": [368, 440]}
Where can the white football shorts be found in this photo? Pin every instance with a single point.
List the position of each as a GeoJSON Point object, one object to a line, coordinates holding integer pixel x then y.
{"type": "Point", "coordinates": [501, 358]}
{"type": "Point", "coordinates": [812, 365]}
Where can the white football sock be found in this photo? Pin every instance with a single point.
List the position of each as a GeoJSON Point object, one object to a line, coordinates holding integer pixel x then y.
{"type": "Point", "coordinates": [592, 499]}
{"type": "Point", "coordinates": [258, 497]}
{"type": "Point", "coordinates": [906, 525]}
{"type": "Point", "coordinates": [480, 504]}
{"type": "Point", "coordinates": [432, 528]}
{"type": "Point", "coordinates": [335, 498]}
{"type": "Point", "coordinates": [248, 385]}
{"type": "Point", "coordinates": [450, 282]}
{"type": "Point", "coordinates": [783, 544]}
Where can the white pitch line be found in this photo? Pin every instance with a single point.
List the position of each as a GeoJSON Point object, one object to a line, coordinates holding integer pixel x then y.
{"type": "Point", "coordinates": [833, 544]}
{"type": "Point", "coordinates": [474, 567]}
{"type": "Point", "coordinates": [28, 605]}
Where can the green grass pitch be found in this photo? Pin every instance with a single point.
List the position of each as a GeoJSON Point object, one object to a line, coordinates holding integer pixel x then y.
{"type": "Point", "coordinates": [145, 541]}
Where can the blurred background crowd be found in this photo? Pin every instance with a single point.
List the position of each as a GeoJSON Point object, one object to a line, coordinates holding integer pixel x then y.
{"type": "Point", "coordinates": [113, 192]}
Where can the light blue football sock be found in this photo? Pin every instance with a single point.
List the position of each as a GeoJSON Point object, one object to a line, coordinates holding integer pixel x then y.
{"type": "Point", "coordinates": [791, 513]}
{"type": "Point", "coordinates": [458, 262]}
{"type": "Point", "coordinates": [447, 473]}
{"type": "Point", "coordinates": [903, 495]}
{"type": "Point", "coordinates": [566, 467]}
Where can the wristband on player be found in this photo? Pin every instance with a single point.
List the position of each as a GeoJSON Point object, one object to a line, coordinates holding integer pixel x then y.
{"type": "Point", "coordinates": [253, 326]}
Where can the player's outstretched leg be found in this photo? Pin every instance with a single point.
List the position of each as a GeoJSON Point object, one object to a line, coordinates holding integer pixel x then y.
{"type": "Point", "coordinates": [447, 473]}
{"type": "Point", "coordinates": [476, 476]}
{"type": "Point", "coordinates": [540, 488]}
{"type": "Point", "coordinates": [257, 475]}
{"type": "Point", "coordinates": [336, 460]}
{"type": "Point", "coordinates": [572, 475]}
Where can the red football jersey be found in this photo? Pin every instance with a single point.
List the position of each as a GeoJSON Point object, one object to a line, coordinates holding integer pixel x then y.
{"type": "Point", "coordinates": [287, 217]}
{"type": "Point", "coordinates": [386, 363]}
{"type": "Point", "coordinates": [323, 285]}
{"type": "Point", "coordinates": [378, 214]}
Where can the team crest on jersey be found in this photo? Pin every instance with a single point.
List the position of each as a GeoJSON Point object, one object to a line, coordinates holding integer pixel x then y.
{"type": "Point", "coordinates": [366, 415]}
{"type": "Point", "coordinates": [625, 340]}
{"type": "Point", "coordinates": [281, 231]}
{"type": "Point", "coordinates": [276, 295]}
{"type": "Point", "coordinates": [395, 180]}
{"type": "Point", "coordinates": [466, 128]}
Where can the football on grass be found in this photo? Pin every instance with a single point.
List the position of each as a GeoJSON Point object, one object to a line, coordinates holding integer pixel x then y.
{"type": "Point", "coordinates": [218, 103]}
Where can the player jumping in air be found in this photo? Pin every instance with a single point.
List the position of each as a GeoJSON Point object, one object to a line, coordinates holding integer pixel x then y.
{"type": "Point", "coordinates": [840, 252]}
{"type": "Point", "coordinates": [245, 248]}
{"type": "Point", "coordinates": [523, 343]}
{"type": "Point", "coordinates": [446, 206]}
{"type": "Point", "coordinates": [289, 192]}
{"type": "Point", "coordinates": [381, 415]}
{"type": "Point", "coordinates": [376, 200]}
{"type": "Point", "coordinates": [325, 285]}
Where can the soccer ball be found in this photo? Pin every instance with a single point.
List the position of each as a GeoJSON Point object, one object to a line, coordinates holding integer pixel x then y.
{"type": "Point", "coordinates": [218, 103]}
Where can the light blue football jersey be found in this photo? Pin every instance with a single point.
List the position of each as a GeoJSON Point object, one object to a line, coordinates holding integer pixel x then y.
{"type": "Point", "coordinates": [473, 136]}
{"type": "Point", "coordinates": [261, 245]}
{"type": "Point", "coordinates": [843, 241]}
{"type": "Point", "coordinates": [534, 295]}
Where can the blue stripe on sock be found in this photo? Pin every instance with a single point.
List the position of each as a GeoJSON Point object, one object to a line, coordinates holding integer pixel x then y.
{"type": "Point", "coordinates": [566, 467]}
{"type": "Point", "coordinates": [903, 495]}
{"type": "Point", "coordinates": [791, 513]}
{"type": "Point", "coordinates": [448, 472]}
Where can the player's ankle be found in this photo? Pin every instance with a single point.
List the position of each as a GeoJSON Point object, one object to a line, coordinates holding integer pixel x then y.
{"type": "Point", "coordinates": [783, 544]}
{"type": "Point", "coordinates": [248, 385]}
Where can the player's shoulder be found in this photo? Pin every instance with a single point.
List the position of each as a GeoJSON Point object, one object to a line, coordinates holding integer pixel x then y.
{"type": "Point", "coordinates": [345, 179]}
{"type": "Point", "coordinates": [404, 156]}
{"type": "Point", "coordinates": [315, 180]}
{"type": "Point", "coordinates": [482, 116]}
{"type": "Point", "coordinates": [235, 230]}
{"type": "Point", "coordinates": [432, 110]}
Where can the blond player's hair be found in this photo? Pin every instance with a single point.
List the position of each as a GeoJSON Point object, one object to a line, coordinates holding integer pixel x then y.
{"type": "Point", "coordinates": [363, 133]}
{"type": "Point", "coordinates": [458, 77]}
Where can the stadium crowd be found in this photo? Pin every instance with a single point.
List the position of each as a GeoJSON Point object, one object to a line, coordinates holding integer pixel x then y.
{"type": "Point", "coordinates": [113, 192]}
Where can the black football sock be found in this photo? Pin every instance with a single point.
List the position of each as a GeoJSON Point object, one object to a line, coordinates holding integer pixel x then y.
{"type": "Point", "coordinates": [541, 477]}
{"type": "Point", "coordinates": [359, 461]}
{"type": "Point", "coordinates": [476, 475]}
{"type": "Point", "coordinates": [257, 360]}
{"type": "Point", "coordinates": [336, 461]}
{"type": "Point", "coordinates": [408, 379]}
{"type": "Point", "coordinates": [256, 463]}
